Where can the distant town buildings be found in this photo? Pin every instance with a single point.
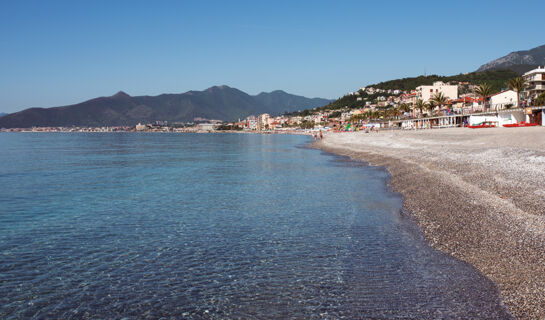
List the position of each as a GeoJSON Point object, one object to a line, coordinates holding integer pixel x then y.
{"type": "Point", "coordinates": [375, 106]}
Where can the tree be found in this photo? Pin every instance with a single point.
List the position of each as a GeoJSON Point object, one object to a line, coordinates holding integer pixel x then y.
{"type": "Point", "coordinates": [430, 106]}
{"type": "Point", "coordinates": [439, 99]}
{"type": "Point", "coordinates": [517, 84]}
{"type": "Point", "coordinates": [404, 107]}
{"type": "Point", "coordinates": [307, 124]}
{"type": "Point", "coordinates": [540, 100]}
{"type": "Point", "coordinates": [483, 91]}
{"type": "Point", "coordinates": [420, 105]}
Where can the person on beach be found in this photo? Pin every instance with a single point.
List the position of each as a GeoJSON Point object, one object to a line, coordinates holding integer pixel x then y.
{"type": "Point", "coordinates": [321, 135]}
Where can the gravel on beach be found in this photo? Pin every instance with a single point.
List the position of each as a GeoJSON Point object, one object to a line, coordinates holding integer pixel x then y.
{"type": "Point", "coordinates": [477, 194]}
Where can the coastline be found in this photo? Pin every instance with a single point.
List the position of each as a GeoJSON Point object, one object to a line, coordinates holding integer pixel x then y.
{"type": "Point", "coordinates": [477, 195]}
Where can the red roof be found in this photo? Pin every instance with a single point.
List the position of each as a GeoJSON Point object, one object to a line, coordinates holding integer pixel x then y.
{"type": "Point", "coordinates": [468, 100]}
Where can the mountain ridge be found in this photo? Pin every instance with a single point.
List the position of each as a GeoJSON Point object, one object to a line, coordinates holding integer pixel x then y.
{"type": "Point", "coordinates": [121, 109]}
{"type": "Point", "coordinates": [532, 57]}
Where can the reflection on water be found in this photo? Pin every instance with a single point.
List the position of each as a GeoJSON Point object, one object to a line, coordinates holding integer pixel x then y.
{"type": "Point", "coordinates": [213, 226]}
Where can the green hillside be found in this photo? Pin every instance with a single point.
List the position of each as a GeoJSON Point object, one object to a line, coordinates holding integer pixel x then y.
{"type": "Point", "coordinates": [497, 79]}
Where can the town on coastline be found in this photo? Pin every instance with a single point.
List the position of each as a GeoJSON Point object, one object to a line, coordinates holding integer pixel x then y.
{"type": "Point", "coordinates": [440, 105]}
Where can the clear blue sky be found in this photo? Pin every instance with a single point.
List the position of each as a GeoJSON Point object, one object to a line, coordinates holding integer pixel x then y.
{"type": "Point", "coordinates": [62, 52]}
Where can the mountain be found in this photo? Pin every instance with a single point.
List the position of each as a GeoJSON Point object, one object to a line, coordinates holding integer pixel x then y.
{"type": "Point", "coordinates": [218, 102]}
{"type": "Point", "coordinates": [2, 114]}
{"type": "Point", "coordinates": [525, 60]}
{"type": "Point", "coordinates": [289, 101]}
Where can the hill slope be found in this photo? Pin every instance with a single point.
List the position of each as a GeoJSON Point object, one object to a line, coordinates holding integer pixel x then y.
{"type": "Point", "coordinates": [219, 102]}
{"type": "Point", "coordinates": [532, 58]}
{"type": "Point", "coordinates": [497, 79]}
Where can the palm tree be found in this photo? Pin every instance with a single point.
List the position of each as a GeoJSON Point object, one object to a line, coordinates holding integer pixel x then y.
{"type": "Point", "coordinates": [430, 106]}
{"type": "Point", "coordinates": [483, 91]}
{"type": "Point", "coordinates": [420, 105]}
{"type": "Point", "coordinates": [397, 112]}
{"type": "Point", "coordinates": [404, 107]}
{"type": "Point", "coordinates": [439, 99]}
{"type": "Point", "coordinates": [540, 100]}
{"type": "Point", "coordinates": [517, 84]}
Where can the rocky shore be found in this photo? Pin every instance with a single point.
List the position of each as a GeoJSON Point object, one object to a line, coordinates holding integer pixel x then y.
{"type": "Point", "coordinates": [478, 195]}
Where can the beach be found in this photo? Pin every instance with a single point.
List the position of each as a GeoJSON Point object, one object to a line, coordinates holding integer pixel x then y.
{"type": "Point", "coordinates": [477, 195]}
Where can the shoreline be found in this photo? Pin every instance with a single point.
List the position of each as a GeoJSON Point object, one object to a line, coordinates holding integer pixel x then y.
{"type": "Point", "coordinates": [456, 189]}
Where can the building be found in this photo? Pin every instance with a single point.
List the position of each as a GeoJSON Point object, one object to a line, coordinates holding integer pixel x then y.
{"type": "Point", "coordinates": [427, 92]}
{"type": "Point", "coordinates": [206, 126]}
{"type": "Point", "coordinates": [251, 123]}
{"type": "Point", "coordinates": [503, 100]}
{"type": "Point", "coordinates": [263, 122]}
{"type": "Point", "coordinates": [536, 83]}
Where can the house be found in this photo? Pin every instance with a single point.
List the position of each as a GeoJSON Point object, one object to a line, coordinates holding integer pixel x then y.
{"type": "Point", "coordinates": [504, 99]}
{"type": "Point", "coordinates": [427, 92]}
{"type": "Point", "coordinates": [536, 83]}
{"type": "Point", "coordinates": [467, 104]}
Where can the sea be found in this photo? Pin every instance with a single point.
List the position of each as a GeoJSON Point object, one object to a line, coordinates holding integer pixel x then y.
{"type": "Point", "coordinates": [214, 226]}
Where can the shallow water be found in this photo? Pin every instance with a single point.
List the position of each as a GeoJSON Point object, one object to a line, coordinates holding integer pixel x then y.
{"type": "Point", "coordinates": [213, 226]}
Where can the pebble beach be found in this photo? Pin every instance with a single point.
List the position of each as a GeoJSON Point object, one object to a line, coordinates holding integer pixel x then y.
{"type": "Point", "coordinates": [478, 195]}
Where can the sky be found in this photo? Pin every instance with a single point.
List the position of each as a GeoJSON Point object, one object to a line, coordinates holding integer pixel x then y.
{"type": "Point", "coordinates": [56, 53]}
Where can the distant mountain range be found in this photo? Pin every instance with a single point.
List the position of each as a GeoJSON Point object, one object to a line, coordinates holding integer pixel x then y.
{"type": "Point", "coordinates": [518, 61]}
{"type": "Point", "coordinates": [218, 102]}
{"type": "Point", "coordinates": [2, 114]}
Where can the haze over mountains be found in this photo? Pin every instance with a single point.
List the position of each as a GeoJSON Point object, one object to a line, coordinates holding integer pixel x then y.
{"type": "Point", "coordinates": [518, 61]}
{"type": "Point", "coordinates": [218, 102]}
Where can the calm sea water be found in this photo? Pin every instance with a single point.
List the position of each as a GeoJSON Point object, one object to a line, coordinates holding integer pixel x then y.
{"type": "Point", "coordinates": [213, 226]}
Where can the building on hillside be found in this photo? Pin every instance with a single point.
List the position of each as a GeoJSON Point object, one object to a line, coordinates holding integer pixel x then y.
{"type": "Point", "coordinates": [503, 99]}
{"type": "Point", "coordinates": [427, 92]}
{"type": "Point", "coordinates": [536, 83]}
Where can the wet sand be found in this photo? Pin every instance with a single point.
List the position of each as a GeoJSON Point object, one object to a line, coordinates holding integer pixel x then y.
{"type": "Point", "coordinates": [477, 194]}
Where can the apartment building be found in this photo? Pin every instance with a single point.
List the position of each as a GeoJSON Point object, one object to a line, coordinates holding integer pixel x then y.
{"type": "Point", "coordinates": [427, 92]}
{"type": "Point", "coordinates": [535, 80]}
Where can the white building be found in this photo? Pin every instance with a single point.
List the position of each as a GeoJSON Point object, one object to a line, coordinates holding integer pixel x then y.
{"type": "Point", "coordinates": [502, 99]}
{"type": "Point", "coordinates": [263, 122]}
{"type": "Point", "coordinates": [427, 92]}
{"type": "Point", "coordinates": [251, 123]}
{"type": "Point", "coordinates": [536, 82]}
